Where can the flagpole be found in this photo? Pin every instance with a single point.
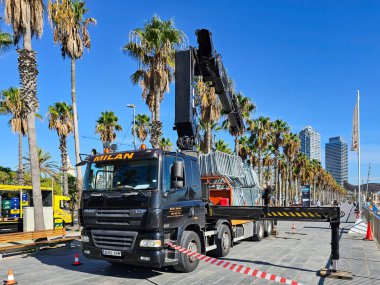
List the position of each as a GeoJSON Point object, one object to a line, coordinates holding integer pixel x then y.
{"type": "Point", "coordinates": [359, 200]}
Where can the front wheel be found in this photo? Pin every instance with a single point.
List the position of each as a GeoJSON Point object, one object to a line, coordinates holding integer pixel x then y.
{"type": "Point", "coordinates": [223, 242]}
{"type": "Point", "coordinates": [190, 240]}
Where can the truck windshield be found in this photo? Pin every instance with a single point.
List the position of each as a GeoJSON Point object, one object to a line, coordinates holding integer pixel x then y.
{"type": "Point", "coordinates": [131, 175]}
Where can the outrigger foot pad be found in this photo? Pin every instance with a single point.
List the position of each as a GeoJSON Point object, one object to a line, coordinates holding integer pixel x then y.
{"type": "Point", "coordinates": [338, 274]}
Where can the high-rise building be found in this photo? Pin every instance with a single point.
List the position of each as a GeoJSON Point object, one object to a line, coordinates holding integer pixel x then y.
{"type": "Point", "coordinates": [337, 159]}
{"type": "Point", "coordinates": [310, 143]}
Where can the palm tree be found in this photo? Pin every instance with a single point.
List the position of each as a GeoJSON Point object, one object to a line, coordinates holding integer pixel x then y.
{"type": "Point", "coordinates": [260, 138]}
{"type": "Point", "coordinates": [47, 167]}
{"type": "Point", "coordinates": [244, 148]}
{"type": "Point", "coordinates": [12, 104]}
{"type": "Point", "coordinates": [210, 111]}
{"type": "Point", "coordinates": [61, 120]}
{"type": "Point", "coordinates": [291, 148]}
{"type": "Point", "coordinates": [26, 18]}
{"type": "Point", "coordinates": [278, 129]}
{"type": "Point", "coordinates": [166, 144]}
{"type": "Point", "coordinates": [70, 30]}
{"type": "Point", "coordinates": [142, 122]}
{"type": "Point", "coordinates": [6, 40]}
{"type": "Point", "coordinates": [247, 107]}
{"type": "Point", "coordinates": [153, 46]}
{"type": "Point", "coordinates": [222, 146]}
{"type": "Point", "coordinates": [107, 126]}
{"type": "Point", "coordinates": [268, 163]}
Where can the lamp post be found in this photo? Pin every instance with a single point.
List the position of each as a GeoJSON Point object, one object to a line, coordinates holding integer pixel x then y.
{"type": "Point", "coordinates": [134, 123]}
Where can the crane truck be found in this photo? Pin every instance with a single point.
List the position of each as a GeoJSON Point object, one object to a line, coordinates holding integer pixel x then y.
{"type": "Point", "coordinates": [135, 202]}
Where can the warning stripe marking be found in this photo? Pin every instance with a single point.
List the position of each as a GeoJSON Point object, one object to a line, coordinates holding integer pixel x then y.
{"type": "Point", "coordinates": [235, 267]}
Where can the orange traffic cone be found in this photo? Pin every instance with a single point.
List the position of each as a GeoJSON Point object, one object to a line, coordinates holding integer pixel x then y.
{"type": "Point", "coordinates": [11, 280]}
{"type": "Point", "coordinates": [76, 260]}
{"type": "Point", "coordinates": [293, 226]}
{"type": "Point", "coordinates": [369, 235]}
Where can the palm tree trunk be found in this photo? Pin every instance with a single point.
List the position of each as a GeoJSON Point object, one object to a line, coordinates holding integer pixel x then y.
{"type": "Point", "coordinates": [209, 137]}
{"type": "Point", "coordinates": [28, 73]}
{"type": "Point", "coordinates": [259, 165]}
{"type": "Point", "coordinates": [156, 125]}
{"type": "Point", "coordinates": [237, 145]}
{"type": "Point", "coordinates": [76, 131]}
{"type": "Point", "coordinates": [63, 148]}
{"type": "Point", "coordinates": [275, 179]}
{"type": "Point", "coordinates": [39, 223]}
{"type": "Point", "coordinates": [20, 173]}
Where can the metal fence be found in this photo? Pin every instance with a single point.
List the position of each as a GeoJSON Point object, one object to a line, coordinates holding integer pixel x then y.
{"type": "Point", "coordinates": [375, 223]}
{"type": "Point", "coordinates": [242, 177]}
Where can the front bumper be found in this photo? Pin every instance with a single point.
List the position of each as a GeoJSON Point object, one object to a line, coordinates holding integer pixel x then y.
{"type": "Point", "coordinates": [148, 258]}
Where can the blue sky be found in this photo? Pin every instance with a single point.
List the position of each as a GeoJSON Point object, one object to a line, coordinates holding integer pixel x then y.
{"type": "Point", "coordinates": [301, 61]}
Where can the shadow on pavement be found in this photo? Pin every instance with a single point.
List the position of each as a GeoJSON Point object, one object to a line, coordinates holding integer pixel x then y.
{"type": "Point", "coordinates": [64, 257]}
{"type": "Point", "coordinates": [267, 263]}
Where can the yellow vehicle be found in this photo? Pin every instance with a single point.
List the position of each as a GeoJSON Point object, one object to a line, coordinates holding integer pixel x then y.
{"type": "Point", "coordinates": [61, 210]}
{"type": "Point", "coordinates": [14, 198]}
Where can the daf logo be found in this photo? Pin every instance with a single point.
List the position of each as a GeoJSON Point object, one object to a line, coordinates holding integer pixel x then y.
{"type": "Point", "coordinates": [89, 210]}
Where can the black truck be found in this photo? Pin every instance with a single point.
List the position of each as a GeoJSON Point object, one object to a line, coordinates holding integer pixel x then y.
{"type": "Point", "coordinates": [135, 202]}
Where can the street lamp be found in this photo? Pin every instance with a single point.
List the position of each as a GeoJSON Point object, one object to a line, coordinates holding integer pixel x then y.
{"type": "Point", "coordinates": [134, 123]}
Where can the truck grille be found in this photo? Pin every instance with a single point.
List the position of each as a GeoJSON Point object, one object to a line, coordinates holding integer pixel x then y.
{"type": "Point", "coordinates": [111, 217]}
{"type": "Point", "coordinates": [119, 240]}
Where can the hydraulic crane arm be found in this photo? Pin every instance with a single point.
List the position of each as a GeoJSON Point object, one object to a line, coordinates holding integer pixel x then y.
{"type": "Point", "coordinates": [203, 61]}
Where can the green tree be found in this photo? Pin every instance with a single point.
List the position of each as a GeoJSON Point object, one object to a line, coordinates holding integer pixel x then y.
{"type": "Point", "coordinates": [291, 148]}
{"type": "Point", "coordinates": [4, 177]}
{"type": "Point", "coordinates": [261, 139]}
{"type": "Point", "coordinates": [70, 28]}
{"type": "Point", "coordinates": [247, 107]}
{"type": "Point", "coordinates": [61, 120]}
{"type": "Point", "coordinates": [107, 126]}
{"type": "Point", "coordinates": [153, 46]}
{"type": "Point", "coordinates": [210, 111]}
{"type": "Point", "coordinates": [26, 18]}
{"type": "Point", "coordinates": [12, 104]}
{"type": "Point", "coordinates": [166, 144]}
{"type": "Point", "coordinates": [222, 146]}
{"type": "Point", "coordinates": [47, 167]}
{"type": "Point", "coordinates": [6, 40]}
{"type": "Point", "coordinates": [142, 122]}
{"type": "Point", "coordinates": [278, 129]}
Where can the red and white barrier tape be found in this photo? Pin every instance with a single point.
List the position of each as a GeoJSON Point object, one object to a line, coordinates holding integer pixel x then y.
{"type": "Point", "coordinates": [235, 267]}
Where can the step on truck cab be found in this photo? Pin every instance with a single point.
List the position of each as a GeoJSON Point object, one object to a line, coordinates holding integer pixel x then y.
{"type": "Point", "coordinates": [134, 202]}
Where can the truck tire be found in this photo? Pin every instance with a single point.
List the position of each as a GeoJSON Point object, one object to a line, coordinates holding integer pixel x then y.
{"type": "Point", "coordinates": [269, 228]}
{"type": "Point", "coordinates": [190, 240]}
{"type": "Point", "coordinates": [224, 242]}
{"type": "Point", "coordinates": [259, 232]}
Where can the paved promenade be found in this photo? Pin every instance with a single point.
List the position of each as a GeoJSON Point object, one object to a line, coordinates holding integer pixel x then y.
{"type": "Point", "coordinates": [295, 254]}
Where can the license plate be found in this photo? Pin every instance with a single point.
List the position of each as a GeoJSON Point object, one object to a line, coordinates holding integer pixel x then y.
{"type": "Point", "coordinates": [111, 252]}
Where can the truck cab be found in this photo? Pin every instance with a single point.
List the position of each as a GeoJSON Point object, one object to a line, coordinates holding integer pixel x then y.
{"type": "Point", "coordinates": [133, 202]}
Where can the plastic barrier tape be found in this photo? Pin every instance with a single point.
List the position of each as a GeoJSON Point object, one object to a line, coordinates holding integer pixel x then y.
{"type": "Point", "coordinates": [235, 267]}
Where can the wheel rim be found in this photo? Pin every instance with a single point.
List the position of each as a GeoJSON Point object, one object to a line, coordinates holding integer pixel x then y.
{"type": "Point", "coordinates": [192, 247]}
{"type": "Point", "coordinates": [225, 241]}
{"type": "Point", "coordinates": [261, 231]}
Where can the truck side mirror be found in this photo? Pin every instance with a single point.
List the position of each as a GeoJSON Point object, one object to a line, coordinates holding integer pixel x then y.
{"type": "Point", "coordinates": [177, 174]}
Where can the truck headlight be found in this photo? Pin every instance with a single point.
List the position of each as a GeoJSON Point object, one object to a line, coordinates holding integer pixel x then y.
{"type": "Point", "coordinates": [150, 243]}
{"type": "Point", "coordinates": [85, 238]}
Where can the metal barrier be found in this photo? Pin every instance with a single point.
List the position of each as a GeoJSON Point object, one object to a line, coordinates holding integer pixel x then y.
{"type": "Point", "coordinates": [375, 222]}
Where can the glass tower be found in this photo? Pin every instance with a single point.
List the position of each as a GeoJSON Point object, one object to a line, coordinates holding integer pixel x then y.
{"type": "Point", "coordinates": [337, 159]}
{"type": "Point", "coordinates": [310, 143]}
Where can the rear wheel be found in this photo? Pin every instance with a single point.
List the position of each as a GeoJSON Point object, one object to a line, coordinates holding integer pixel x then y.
{"type": "Point", "coordinates": [258, 236]}
{"type": "Point", "coordinates": [224, 242]}
{"type": "Point", "coordinates": [269, 228]}
{"type": "Point", "coordinates": [190, 240]}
